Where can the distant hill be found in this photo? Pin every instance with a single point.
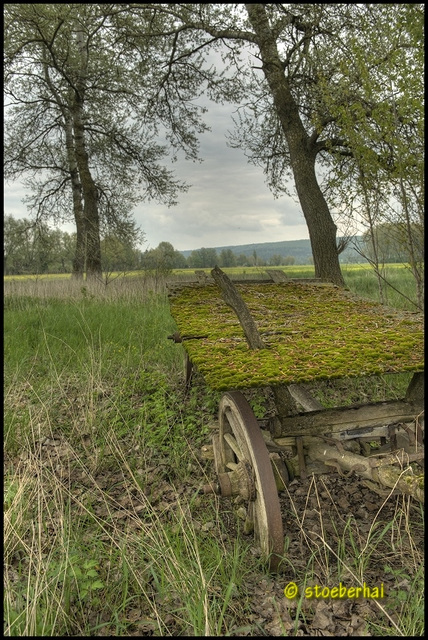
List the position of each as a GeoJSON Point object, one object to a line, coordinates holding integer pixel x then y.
{"type": "Point", "coordinates": [300, 250]}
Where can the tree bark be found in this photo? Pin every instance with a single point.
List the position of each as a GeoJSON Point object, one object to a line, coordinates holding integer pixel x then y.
{"type": "Point", "coordinates": [90, 204]}
{"type": "Point", "coordinates": [78, 268]}
{"type": "Point", "coordinates": [321, 227]}
{"type": "Point", "coordinates": [89, 188]}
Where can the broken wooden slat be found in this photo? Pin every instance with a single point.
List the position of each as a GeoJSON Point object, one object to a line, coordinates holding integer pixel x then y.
{"type": "Point", "coordinates": [276, 275]}
{"type": "Point", "coordinates": [233, 298]}
{"type": "Point", "coordinates": [201, 276]}
{"type": "Point", "coordinates": [304, 398]}
{"type": "Point", "coordinates": [416, 388]}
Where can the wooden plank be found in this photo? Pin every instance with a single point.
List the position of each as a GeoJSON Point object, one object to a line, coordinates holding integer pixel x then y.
{"type": "Point", "coordinates": [276, 275]}
{"type": "Point", "coordinates": [304, 398]}
{"type": "Point", "coordinates": [341, 419]}
{"type": "Point", "coordinates": [362, 433]}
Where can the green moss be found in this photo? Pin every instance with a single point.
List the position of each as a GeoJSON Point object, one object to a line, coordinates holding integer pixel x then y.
{"type": "Point", "coordinates": [311, 332]}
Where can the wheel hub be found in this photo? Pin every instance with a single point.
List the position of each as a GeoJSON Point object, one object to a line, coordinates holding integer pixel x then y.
{"type": "Point", "coordinates": [239, 482]}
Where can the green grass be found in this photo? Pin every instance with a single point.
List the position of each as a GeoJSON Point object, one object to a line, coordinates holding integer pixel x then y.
{"type": "Point", "coordinates": [101, 382]}
{"type": "Point", "coordinates": [105, 530]}
{"type": "Point", "coordinates": [399, 288]}
{"type": "Point", "coordinates": [52, 332]}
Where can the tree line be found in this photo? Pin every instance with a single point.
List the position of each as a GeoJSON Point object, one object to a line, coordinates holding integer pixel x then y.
{"type": "Point", "coordinates": [329, 98]}
{"type": "Point", "coordinates": [39, 249]}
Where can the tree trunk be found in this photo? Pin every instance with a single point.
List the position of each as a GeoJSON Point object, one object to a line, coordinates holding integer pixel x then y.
{"type": "Point", "coordinates": [90, 200]}
{"type": "Point", "coordinates": [89, 188]}
{"type": "Point", "coordinates": [80, 250]}
{"type": "Point", "coordinates": [78, 268]}
{"type": "Point", "coordinates": [322, 229]}
{"type": "Point", "coordinates": [93, 242]}
{"type": "Point", "coordinates": [76, 188]}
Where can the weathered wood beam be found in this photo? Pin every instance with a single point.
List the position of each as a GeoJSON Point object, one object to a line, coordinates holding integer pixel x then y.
{"type": "Point", "coordinates": [304, 398]}
{"type": "Point", "coordinates": [367, 434]}
{"type": "Point", "coordinates": [277, 275]}
{"type": "Point", "coordinates": [284, 401]}
{"type": "Point", "coordinates": [328, 421]}
{"type": "Point", "coordinates": [416, 388]}
{"type": "Point", "coordinates": [233, 298]}
{"type": "Point", "coordinates": [403, 480]}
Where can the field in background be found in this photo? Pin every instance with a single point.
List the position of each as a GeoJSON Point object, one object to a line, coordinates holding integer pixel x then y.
{"type": "Point", "coordinates": [105, 531]}
{"type": "Point", "coordinates": [359, 278]}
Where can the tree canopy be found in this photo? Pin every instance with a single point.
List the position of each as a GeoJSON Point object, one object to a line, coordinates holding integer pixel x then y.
{"type": "Point", "coordinates": [330, 96]}
{"type": "Point", "coordinates": [88, 125]}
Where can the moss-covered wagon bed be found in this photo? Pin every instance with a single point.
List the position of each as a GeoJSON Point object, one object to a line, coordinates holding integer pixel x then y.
{"type": "Point", "coordinates": [311, 331]}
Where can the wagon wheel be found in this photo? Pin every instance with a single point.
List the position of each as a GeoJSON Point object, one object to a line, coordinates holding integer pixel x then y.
{"type": "Point", "coordinates": [243, 466]}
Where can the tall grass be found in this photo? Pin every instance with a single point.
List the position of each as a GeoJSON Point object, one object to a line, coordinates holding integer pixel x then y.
{"type": "Point", "coordinates": [77, 562]}
{"type": "Point", "coordinates": [105, 531]}
{"type": "Point", "coordinates": [399, 285]}
{"type": "Point", "coordinates": [399, 288]}
{"type": "Point", "coordinates": [93, 402]}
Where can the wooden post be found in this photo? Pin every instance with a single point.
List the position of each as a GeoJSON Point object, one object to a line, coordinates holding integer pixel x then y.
{"type": "Point", "coordinates": [233, 298]}
{"type": "Point", "coordinates": [284, 401]}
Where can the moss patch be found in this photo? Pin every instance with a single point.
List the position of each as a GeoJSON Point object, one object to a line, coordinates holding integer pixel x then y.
{"type": "Point", "coordinates": [311, 332]}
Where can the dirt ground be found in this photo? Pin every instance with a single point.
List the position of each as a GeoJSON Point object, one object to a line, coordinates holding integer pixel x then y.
{"type": "Point", "coordinates": [342, 513]}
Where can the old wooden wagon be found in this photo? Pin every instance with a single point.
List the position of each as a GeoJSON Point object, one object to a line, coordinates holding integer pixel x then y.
{"type": "Point", "coordinates": [282, 335]}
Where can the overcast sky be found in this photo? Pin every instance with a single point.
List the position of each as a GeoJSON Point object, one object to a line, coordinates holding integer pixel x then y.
{"type": "Point", "coordinates": [227, 204]}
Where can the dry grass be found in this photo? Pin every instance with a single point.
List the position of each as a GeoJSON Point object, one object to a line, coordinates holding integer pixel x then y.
{"type": "Point", "coordinates": [119, 286]}
{"type": "Point", "coordinates": [108, 559]}
{"type": "Point", "coordinates": [105, 532]}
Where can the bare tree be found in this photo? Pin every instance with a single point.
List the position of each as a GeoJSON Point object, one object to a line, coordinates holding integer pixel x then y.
{"type": "Point", "coordinates": [83, 117]}
{"type": "Point", "coordinates": [297, 71]}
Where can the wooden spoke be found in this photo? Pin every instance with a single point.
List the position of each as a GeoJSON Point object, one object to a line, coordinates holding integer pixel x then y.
{"type": "Point", "coordinates": [233, 445]}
